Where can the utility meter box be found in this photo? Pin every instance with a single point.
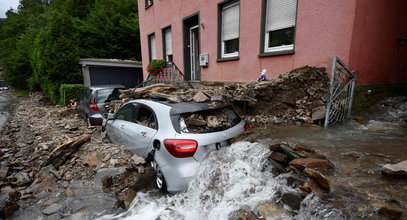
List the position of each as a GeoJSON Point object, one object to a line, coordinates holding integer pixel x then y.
{"type": "Point", "coordinates": [203, 59]}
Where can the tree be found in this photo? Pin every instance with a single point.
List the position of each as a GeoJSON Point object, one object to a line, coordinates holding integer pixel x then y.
{"type": "Point", "coordinates": [111, 30]}
{"type": "Point", "coordinates": [40, 47]}
{"type": "Point", "coordinates": [17, 36]}
{"type": "Point", "coordinates": [55, 57]}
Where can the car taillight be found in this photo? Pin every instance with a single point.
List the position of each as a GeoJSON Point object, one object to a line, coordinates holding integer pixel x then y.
{"type": "Point", "coordinates": [181, 148]}
{"type": "Point", "coordinates": [246, 126]}
{"type": "Point", "coordinates": [93, 106]}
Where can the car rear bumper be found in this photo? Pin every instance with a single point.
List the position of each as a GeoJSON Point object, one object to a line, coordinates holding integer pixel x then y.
{"type": "Point", "coordinates": [96, 119]}
{"type": "Point", "coordinates": [178, 177]}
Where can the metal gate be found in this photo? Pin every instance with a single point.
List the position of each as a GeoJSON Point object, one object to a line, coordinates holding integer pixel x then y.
{"type": "Point", "coordinates": [339, 104]}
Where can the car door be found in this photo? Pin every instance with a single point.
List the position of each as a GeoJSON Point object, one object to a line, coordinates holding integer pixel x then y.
{"type": "Point", "coordinates": [141, 131]}
{"type": "Point", "coordinates": [123, 118]}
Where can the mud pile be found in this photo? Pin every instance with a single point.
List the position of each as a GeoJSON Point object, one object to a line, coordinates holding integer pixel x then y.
{"type": "Point", "coordinates": [297, 96]}
{"type": "Point", "coordinates": [46, 148]}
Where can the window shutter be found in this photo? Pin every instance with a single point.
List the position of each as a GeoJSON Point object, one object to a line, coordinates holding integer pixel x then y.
{"type": "Point", "coordinates": [230, 22]}
{"type": "Point", "coordinates": [153, 48]}
{"type": "Point", "coordinates": [280, 14]}
{"type": "Point", "coordinates": [168, 42]}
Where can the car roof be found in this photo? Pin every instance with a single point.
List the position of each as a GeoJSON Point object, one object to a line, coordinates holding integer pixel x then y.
{"type": "Point", "coordinates": [186, 107]}
{"type": "Point", "coordinates": [106, 86]}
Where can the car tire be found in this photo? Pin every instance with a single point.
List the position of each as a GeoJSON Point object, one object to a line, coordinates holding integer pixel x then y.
{"type": "Point", "coordinates": [159, 178]}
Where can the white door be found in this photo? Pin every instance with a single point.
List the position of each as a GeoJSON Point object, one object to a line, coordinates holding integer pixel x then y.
{"type": "Point", "coordinates": [194, 52]}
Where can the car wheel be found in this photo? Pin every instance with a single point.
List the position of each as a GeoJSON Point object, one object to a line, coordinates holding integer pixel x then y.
{"type": "Point", "coordinates": [159, 178]}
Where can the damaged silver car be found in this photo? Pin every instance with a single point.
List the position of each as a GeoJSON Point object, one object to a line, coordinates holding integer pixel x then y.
{"type": "Point", "coordinates": [174, 137]}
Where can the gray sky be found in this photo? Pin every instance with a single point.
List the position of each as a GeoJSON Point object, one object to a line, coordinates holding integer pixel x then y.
{"type": "Point", "coordinates": [5, 5]}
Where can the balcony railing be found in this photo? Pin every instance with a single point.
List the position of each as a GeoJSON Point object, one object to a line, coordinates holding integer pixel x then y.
{"type": "Point", "coordinates": [171, 74]}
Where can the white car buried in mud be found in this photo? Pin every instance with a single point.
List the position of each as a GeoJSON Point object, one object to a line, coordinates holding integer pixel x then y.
{"type": "Point", "coordinates": [174, 137]}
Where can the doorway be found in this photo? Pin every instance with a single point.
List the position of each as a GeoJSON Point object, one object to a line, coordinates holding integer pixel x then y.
{"type": "Point", "coordinates": [191, 47]}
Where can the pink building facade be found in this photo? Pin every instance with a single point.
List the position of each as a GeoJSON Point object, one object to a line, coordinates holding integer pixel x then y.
{"type": "Point", "coordinates": [241, 38]}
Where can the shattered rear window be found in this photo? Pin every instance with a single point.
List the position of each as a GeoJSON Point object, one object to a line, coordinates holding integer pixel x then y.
{"type": "Point", "coordinates": [208, 121]}
{"type": "Point", "coordinates": [107, 95]}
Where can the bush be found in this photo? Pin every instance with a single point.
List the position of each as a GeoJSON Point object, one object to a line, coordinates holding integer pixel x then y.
{"type": "Point", "coordinates": [70, 91]}
{"type": "Point", "coordinates": [55, 56]}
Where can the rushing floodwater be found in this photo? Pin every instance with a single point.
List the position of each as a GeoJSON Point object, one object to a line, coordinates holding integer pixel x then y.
{"type": "Point", "coordinates": [240, 176]}
{"type": "Point", "coordinates": [228, 180]}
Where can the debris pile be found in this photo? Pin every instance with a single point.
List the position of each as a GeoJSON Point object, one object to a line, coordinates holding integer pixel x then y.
{"type": "Point", "coordinates": [297, 96]}
{"type": "Point", "coordinates": [306, 161]}
{"type": "Point", "coordinates": [45, 148]}
{"type": "Point", "coordinates": [207, 121]}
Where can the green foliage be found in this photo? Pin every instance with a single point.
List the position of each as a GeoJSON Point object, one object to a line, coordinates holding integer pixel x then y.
{"type": "Point", "coordinates": [17, 36]}
{"type": "Point", "coordinates": [55, 57]}
{"type": "Point", "coordinates": [41, 41]}
{"type": "Point", "coordinates": [20, 93]}
{"type": "Point", "coordinates": [111, 30]}
{"type": "Point", "coordinates": [70, 91]}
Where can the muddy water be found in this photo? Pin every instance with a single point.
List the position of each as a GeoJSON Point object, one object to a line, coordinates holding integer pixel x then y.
{"type": "Point", "coordinates": [358, 149]}
{"type": "Point", "coordinates": [226, 181]}
{"type": "Point", "coordinates": [6, 102]}
{"type": "Point", "coordinates": [238, 177]}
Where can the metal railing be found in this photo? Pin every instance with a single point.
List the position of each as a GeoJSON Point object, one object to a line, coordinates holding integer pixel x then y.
{"type": "Point", "coordinates": [340, 97]}
{"type": "Point", "coordinates": [171, 74]}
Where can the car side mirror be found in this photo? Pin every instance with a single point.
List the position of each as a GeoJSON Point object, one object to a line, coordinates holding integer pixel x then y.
{"type": "Point", "coordinates": [108, 116]}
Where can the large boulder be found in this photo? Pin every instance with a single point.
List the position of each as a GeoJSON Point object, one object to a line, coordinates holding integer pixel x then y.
{"type": "Point", "coordinates": [316, 163]}
{"type": "Point", "coordinates": [395, 170]}
{"type": "Point", "coordinates": [319, 177]}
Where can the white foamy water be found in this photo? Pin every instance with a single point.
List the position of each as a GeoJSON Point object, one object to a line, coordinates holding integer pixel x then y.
{"type": "Point", "coordinates": [227, 180]}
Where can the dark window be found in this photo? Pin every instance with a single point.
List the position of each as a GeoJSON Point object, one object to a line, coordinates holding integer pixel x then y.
{"type": "Point", "coordinates": [152, 49]}
{"type": "Point", "coordinates": [278, 26]}
{"type": "Point", "coordinates": [281, 37]}
{"type": "Point", "coordinates": [167, 44]}
{"type": "Point", "coordinates": [169, 58]}
{"type": "Point", "coordinates": [126, 113]}
{"type": "Point", "coordinates": [229, 21]}
{"type": "Point", "coordinates": [103, 94]}
{"type": "Point", "coordinates": [231, 46]}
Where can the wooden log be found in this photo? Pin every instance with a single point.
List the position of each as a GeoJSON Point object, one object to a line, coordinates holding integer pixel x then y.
{"type": "Point", "coordinates": [61, 153]}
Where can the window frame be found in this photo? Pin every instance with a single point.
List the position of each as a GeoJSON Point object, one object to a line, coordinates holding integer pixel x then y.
{"type": "Point", "coordinates": [264, 36]}
{"type": "Point", "coordinates": [165, 44]}
{"type": "Point", "coordinates": [150, 57]}
{"type": "Point", "coordinates": [221, 43]}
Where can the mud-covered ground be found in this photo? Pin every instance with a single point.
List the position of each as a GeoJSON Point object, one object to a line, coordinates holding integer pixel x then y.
{"type": "Point", "coordinates": [35, 128]}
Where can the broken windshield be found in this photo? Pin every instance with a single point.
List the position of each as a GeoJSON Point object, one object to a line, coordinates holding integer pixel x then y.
{"type": "Point", "coordinates": [208, 120]}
